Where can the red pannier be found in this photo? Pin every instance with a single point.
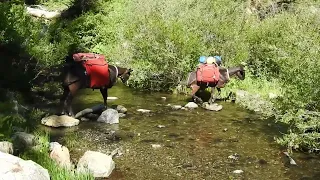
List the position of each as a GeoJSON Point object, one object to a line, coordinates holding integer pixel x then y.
{"type": "Point", "coordinates": [96, 67]}
{"type": "Point", "coordinates": [208, 73]}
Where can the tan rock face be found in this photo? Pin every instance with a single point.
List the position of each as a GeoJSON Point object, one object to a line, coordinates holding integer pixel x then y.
{"type": "Point", "coordinates": [99, 164]}
{"type": "Point", "coordinates": [13, 167]}
{"type": "Point", "coordinates": [6, 147]}
{"type": "Point", "coordinates": [212, 107]}
{"type": "Point", "coordinates": [60, 154]}
{"type": "Point", "coordinates": [59, 121]}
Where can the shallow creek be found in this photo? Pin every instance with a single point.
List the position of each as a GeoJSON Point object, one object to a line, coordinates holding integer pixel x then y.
{"type": "Point", "coordinates": [194, 144]}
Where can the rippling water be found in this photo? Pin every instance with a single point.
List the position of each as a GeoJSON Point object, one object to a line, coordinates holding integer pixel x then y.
{"type": "Point", "coordinates": [193, 144]}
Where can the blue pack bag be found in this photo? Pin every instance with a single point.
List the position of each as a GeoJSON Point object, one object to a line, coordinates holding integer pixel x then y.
{"type": "Point", "coordinates": [202, 59]}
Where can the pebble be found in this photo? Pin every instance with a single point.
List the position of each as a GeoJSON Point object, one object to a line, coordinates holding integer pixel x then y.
{"type": "Point", "coordinates": [237, 171]}
{"type": "Point", "coordinates": [156, 145]}
{"type": "Point", "coordinates": [161, 126]}
{"type": "Point", "coordinates": [144, 110]}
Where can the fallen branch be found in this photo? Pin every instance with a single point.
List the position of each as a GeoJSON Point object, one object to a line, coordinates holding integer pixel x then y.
{"type": "Point", "coordinates": [89, 110]}
{"type": "Point", "coordinates": [42, 12]}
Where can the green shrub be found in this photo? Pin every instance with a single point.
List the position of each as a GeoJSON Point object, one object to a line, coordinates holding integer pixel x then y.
{"type": "Point", "coordinates": [162, 41]}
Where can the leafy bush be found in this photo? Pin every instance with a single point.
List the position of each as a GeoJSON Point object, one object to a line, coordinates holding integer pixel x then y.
{"type": "Point", "coordinates": [162, 40]}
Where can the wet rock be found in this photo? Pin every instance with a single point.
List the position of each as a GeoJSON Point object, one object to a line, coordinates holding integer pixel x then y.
{"type": "Point", "coordinates": [99, 164]}
{"type": "Point", "coordinates": [60, 154]}
{"type": "Point", "coordinates": [22, 140]}
{"type": "Point", "coordinates": [109, 116]}
{"type": "Point", "coordinates": [95, 109]}
{"type": "Point", "coordinates": [92, 116]}
{"type": "Point", "coordinates": [212, 107]}
{"type": "Point", "coordinates": [191, 105]}
{"type": "Point", "coordinates": [234, 157]}
{"type": "Point", "coordinates": [155, 146]}
{"type": "Point", "coordinates": [144, 110]}
{"type": "Point", "coordinates": [6, 147]}
{"type": "Point", "coordinates": [84, 119]}
{"type": "Point", "coordinates": [111, 135]}
{"type": "Point", "coordinates": [237, 171]}
{"type": "Point", "coordinates": [121, 109]}
{"type": "Point", "coordinates": [59, 121]}
{"type": "Point", "coordinates": [291, 160]}
{"type": "Point", "coordinates": [13, 167]}
{"type": "Point", "coordinates": [122, 115]}
{"type": "Point", "coordinates": [176, 107]}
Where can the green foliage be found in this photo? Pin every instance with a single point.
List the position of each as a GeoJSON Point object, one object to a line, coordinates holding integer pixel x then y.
{"type": "Point", "coordinates": [7, 122]}
{"type": "Point", "coordinates": [286, 47]}
{"type": "Point", "coordinates": [9, 118]}
{"type": "Point", "coordinates": [162, 41]}
{"type": "Point", "coordinates": [304, 133]}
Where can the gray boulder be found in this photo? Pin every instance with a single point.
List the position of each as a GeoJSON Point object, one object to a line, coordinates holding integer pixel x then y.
{"type": "Point", "coordinates": [99, 164]}
{"type": "Point", "coordinates": [110, 116]}
{"type": "Point", "coordinates": [23, 140]}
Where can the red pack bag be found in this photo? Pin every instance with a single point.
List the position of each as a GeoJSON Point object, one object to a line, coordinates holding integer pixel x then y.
{"type": "Point", "coordinates": [208, 73]}
{"type": "Point", "coordinates": [96, 66]}
{"type": "Point", "coordinates": [87, 56]}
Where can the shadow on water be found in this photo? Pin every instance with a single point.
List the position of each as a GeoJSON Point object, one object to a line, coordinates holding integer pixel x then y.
{"type": "Point", "coordinates": [191, 144]}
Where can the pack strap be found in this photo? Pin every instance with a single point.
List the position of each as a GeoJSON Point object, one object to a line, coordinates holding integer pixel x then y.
{"type": "Point", "coordinates": [228, 76]}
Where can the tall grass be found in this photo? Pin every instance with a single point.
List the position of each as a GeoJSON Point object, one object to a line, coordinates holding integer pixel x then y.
{"type": "Point", "coordinates": [40, 155]}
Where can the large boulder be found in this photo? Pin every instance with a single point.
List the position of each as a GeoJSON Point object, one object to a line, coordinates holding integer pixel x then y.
{"type": "Point", "coordinates": [59, 121]}
{"type": "Point", "coordinates": [110, 116]}
{"type": "Point", "coordinates": [23, 140]}
{"type": "Point", "coordinates": [16, 168]}
{"type": "Point", "coordinates": [60, 154]}
{"type": "Point", "coordinates": [99, 164]}
{"type": "Point", "coordinates": [6, 147]}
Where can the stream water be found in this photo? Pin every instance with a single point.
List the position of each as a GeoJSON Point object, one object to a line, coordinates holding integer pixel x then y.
{"type": "Point", "coordinates": [193, 144]}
